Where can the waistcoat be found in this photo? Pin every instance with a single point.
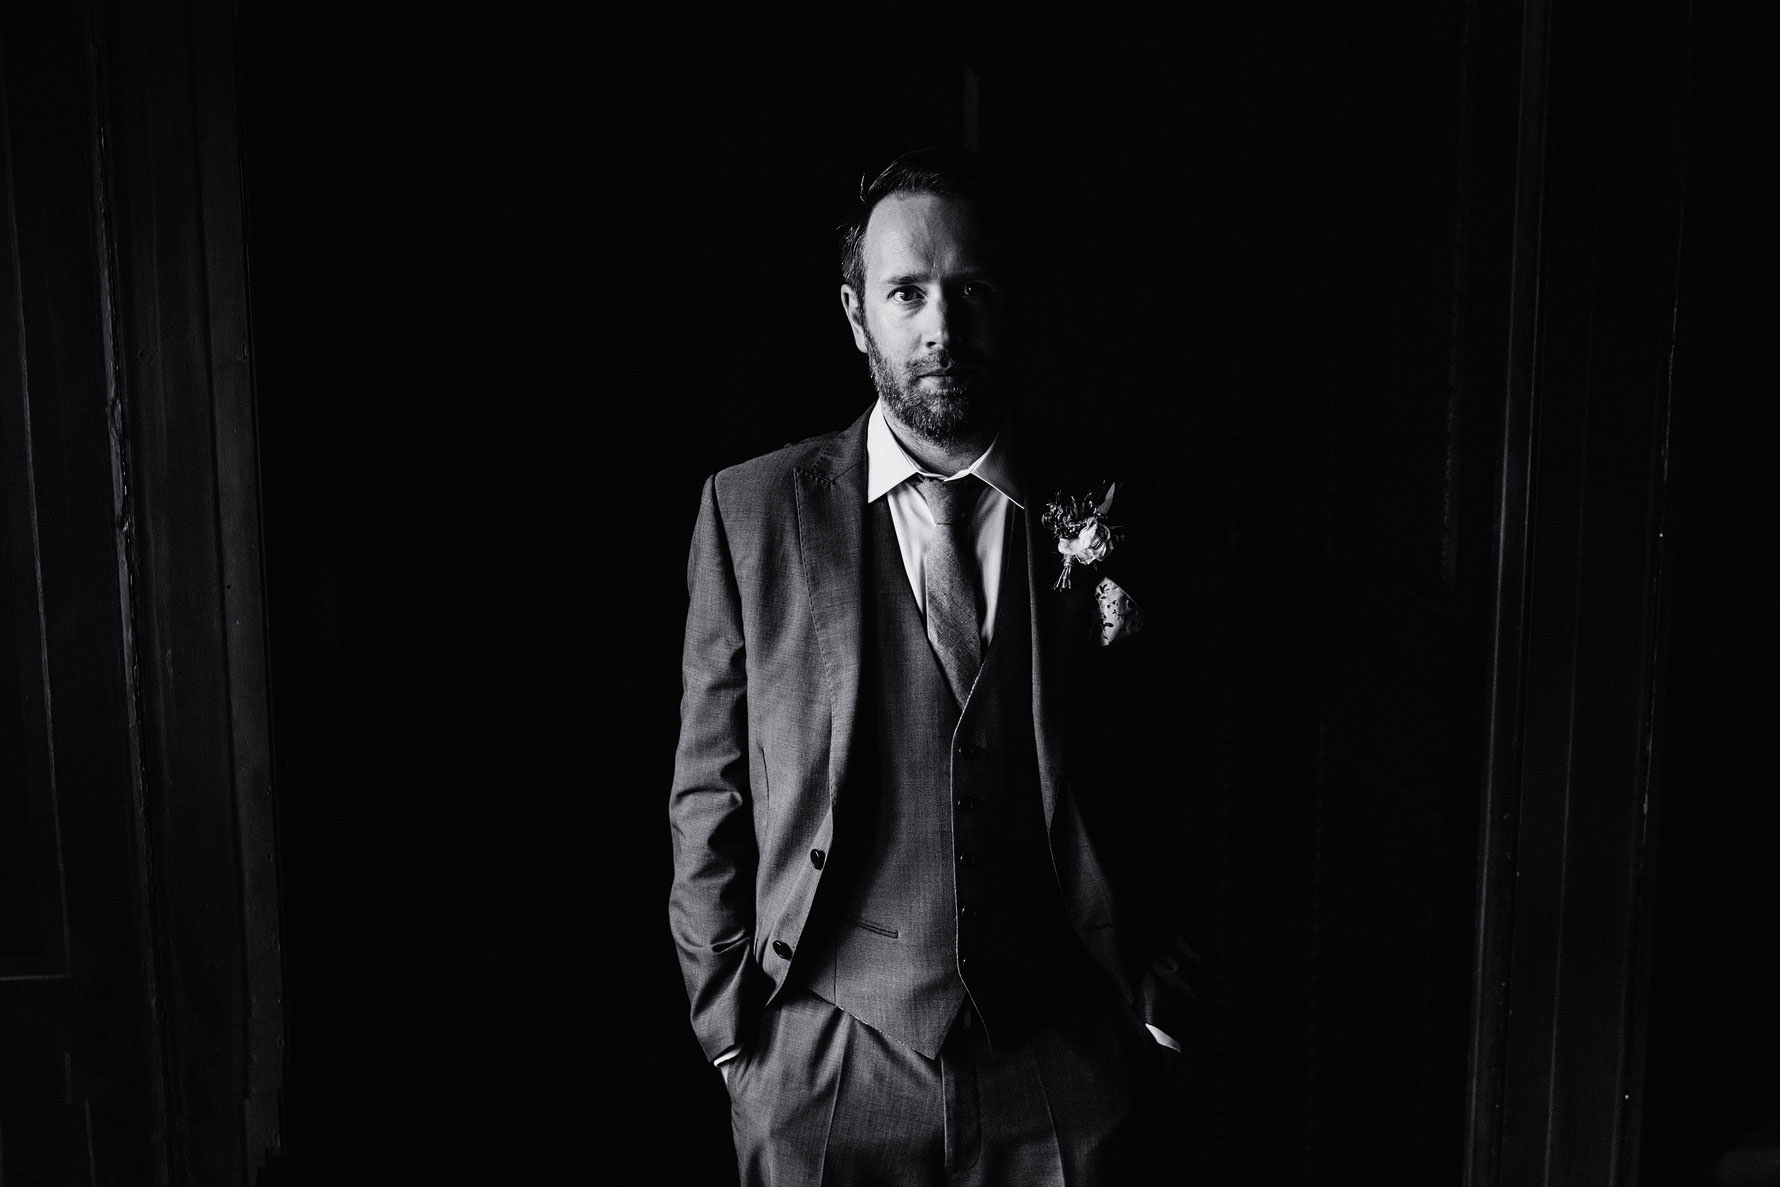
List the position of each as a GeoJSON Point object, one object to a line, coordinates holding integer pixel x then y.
{"type": "Point", "coordinates": [948, 890]}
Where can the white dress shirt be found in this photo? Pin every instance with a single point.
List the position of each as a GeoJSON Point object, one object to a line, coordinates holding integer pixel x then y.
{"type": "Point", "coordinates": [889, 475]}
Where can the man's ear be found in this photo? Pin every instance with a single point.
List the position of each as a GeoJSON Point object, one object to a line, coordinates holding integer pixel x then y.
{"type": "Point", "coordinates": [855, 311]}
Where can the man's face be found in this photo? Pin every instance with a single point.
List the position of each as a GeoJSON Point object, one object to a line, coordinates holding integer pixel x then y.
{"type": "Point", "coordinates": [930, 320]}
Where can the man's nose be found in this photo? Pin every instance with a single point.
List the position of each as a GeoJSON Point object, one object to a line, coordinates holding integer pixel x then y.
{"type": "Point", "coordinates": [943, 320]}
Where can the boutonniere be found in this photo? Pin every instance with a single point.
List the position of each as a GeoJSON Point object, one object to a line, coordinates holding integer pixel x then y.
{"type": "Point", "coordinates": [1084, 534]}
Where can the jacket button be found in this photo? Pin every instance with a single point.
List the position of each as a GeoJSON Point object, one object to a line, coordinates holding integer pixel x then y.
{"type": "Point", "coordinates": [782, 948]}
{"type": "Point", "coordinates": [966, 750]}
{"type": "Point", "coordinates": [817, 857]}
{"type": "Point", "coordinates": [967, 859]}
{"type": "Point", "coordinates": [965, 803]}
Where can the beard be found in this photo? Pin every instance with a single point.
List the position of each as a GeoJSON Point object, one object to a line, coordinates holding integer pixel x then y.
{"type": "Point", "coordinates": [950, 417]}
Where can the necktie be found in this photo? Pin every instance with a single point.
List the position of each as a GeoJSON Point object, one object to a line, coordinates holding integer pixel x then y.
{"type": "Point", "coordinates": [953, 618]}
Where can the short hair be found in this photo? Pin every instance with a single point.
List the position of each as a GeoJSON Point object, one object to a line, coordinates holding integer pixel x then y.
{"type": "Point", "coordinates": [914, 171]}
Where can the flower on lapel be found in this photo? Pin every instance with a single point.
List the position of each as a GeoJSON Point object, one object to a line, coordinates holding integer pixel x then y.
{"type": "Point", "coordinates": [1084, 534]}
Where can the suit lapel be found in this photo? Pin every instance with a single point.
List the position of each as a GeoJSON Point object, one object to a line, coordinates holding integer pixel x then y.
{"type": "Point", "coordinates": [831, 543]}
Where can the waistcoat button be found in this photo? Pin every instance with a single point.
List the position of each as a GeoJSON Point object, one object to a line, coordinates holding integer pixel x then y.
{"type": "Point", "coordinates": [782, 948]}
{"type": "Point", "coordinates": [817, 857]}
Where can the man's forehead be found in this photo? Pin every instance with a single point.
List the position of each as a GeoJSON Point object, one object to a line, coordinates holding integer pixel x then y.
{"type": "Point", "coordinates": [923, 229]}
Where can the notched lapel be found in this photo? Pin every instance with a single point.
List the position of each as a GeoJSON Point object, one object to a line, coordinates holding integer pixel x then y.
{"type": "Point", "coordinates": [831, 542]}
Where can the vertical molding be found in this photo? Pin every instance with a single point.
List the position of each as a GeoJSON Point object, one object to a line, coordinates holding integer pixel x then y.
{"type": "Point", "coordinates": [80, 1042]}
{"type": "Point", "coordinates": [188, 488]}
{"type": "Point", "coordinates": [1498, 813]}
{"type": "Point", "coordinates": [236, 455]}
{"type": "Point", "coordinates": [142, 904]}
{"type": "Point", "coordinates": [1561, 922]}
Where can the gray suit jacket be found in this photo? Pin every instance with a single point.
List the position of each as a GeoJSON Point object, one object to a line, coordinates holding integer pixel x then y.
{"type": "Point", "coordinates": [772, 669]}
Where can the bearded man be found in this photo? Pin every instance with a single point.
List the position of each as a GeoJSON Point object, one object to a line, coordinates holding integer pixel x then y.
{"type": "Point", "coordinates": [897, 818]}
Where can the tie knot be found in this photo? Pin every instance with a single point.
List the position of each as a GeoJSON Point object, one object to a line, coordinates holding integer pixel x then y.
{"type": "Point", "coordinates": [951, 501]}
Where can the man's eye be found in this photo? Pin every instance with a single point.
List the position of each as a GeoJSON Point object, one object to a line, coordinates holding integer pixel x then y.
{"type": "Point", "coordinates": [903, 296]}
{"type": "Point", "coordinates": [978, 290]}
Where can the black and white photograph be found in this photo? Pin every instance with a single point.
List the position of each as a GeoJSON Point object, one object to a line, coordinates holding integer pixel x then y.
{"type": "Point", "coordinates": [973, 596]}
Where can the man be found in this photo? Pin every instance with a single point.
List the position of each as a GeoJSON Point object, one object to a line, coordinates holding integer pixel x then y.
{"type": "Point", "coordinates": [902, 705]}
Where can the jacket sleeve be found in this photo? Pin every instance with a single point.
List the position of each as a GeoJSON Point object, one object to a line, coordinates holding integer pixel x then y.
{"type": "Point", "coordinates": [711, 903]}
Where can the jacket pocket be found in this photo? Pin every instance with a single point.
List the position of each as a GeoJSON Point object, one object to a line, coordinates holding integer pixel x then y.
{"type": "Point", "coordinates": [878, 929]}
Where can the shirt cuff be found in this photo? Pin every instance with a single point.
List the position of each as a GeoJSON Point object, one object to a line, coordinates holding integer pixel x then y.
{"type": "Point", "coordinates": [729, 1053]}
{"type": "Point", "coordinates": [1160, 1035]}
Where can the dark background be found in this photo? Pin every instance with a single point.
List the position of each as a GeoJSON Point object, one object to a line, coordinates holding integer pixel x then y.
{"type": "Point", "coordinates": [1715, 1036]}
{"type": "Point", "coordinates": [448, 519]}
{"type": "Point", "coordinates": [519, 284]}
{"type": "Point", "coordinates": [518, 287]}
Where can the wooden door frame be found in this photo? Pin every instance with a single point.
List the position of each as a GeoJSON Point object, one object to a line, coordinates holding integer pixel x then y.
{"type": "Point", "coordinates": [186, 456]}
{"type": "Point", "coordinates": [1562, 924]}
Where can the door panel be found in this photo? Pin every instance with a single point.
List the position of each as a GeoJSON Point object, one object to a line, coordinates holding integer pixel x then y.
{"type": "Point", "coordinates": [76, 1027]}
{"type": "Point", "coordinates": [112, 1069]}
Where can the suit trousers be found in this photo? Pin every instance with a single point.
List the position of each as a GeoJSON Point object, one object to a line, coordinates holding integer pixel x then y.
{"type": "Point", "coordinates": [819, 1099]}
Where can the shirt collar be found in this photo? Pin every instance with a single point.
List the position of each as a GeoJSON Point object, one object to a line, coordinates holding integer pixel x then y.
{"type": "Point", "coordinates": [888, 465]}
